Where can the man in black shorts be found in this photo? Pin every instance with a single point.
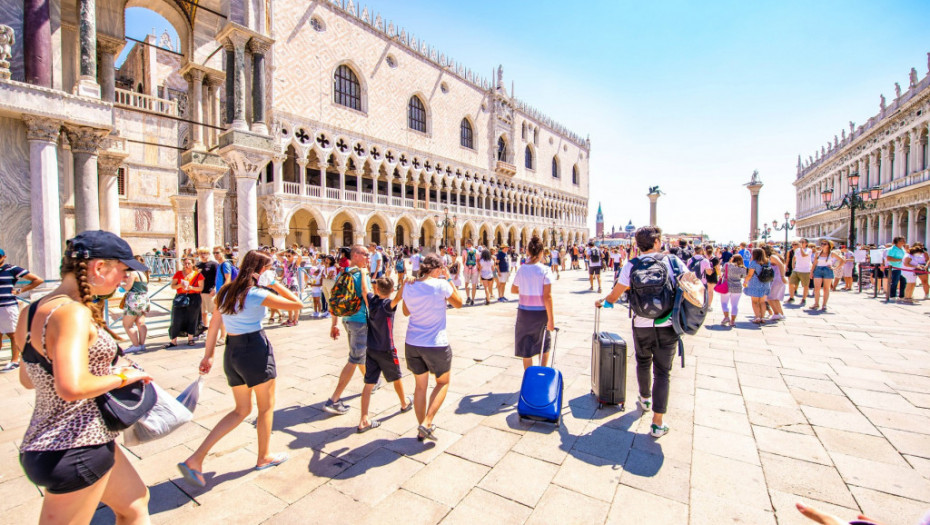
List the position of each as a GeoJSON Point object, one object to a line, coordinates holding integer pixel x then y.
{"type": "Point", "coordinates": [594, 256]}
{"type": "Point", "coordinates": [381, 356]}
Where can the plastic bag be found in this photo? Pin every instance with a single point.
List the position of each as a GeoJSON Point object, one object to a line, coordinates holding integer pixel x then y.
{"type": "Point", "coordinates": [191, 395]}
{"type": "Point", "coordinates": [165, 417]}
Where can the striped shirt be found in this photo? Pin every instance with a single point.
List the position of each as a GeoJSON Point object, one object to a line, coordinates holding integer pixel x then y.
{"type": "Point", "coordinates": [9, 274]}
{"type": "Point", "coordinates": [530, 280]}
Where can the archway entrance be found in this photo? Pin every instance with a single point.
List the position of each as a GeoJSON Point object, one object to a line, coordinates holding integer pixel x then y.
{"type": "Point", "coordinates": [399, 238]}
{"type": "Point", "coordinates": [348, 234]}
{"type": "Point", "coordinates": [376, 234]}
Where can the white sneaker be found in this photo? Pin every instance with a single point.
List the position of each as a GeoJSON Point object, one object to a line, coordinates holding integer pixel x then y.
{"type": "Point", "coordinates": [777, 317]}
{"type": "Point", "coordinates": [132, 349]}
{"type": "Point", "coordinates": [10, 367]}
{"type": "Point", "coordinates": [645, 403]}
{"type": "Point", "coordinates": [656, 431]}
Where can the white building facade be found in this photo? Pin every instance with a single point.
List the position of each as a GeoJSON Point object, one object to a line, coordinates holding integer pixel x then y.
{"type": "Point", "coordinates": [889, 152]}
{"type": "Point", "coordinates": [272, 122]}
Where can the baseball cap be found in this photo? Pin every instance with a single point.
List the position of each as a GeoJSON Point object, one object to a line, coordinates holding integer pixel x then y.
{"type": "Point", "coordinates": [2, 253]}
{"type": "Point", "coordinates": [99, 244]}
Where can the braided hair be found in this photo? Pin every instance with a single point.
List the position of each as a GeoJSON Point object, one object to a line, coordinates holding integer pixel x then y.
{"type": "Point", "coordinates": [78, 268]}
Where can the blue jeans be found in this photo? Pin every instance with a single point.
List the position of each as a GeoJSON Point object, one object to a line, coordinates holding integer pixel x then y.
{"type": "Point", "coordinates": [897, 283]}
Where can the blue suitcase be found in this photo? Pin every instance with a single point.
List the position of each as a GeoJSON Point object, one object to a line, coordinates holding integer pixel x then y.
{"type": "Point", "coordinates": [541, 392]}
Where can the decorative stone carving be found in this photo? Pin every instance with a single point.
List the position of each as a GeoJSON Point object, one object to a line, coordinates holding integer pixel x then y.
{"type": "Point", "coordinates": [897, 90]}
{"type": "Point", "coordinates": [913, 77]}
{"type": "Point", "coordinates": [86, 140]}
{"type": "Point", "coordinates": [44, 129]}
{"type": "Point", "coordinates": [7, 38]}
{"type": "Point", "coordinates": [881, 104]}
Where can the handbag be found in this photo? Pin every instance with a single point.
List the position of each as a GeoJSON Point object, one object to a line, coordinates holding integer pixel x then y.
{"type": "Point", "coordinates": [166, 416]}
{"type": "Point", "coordinates": [120, 407]}
{"type": "Point", "coordinates": [722, 286]}
{"type": "Point", "coordinates": [183, 300]}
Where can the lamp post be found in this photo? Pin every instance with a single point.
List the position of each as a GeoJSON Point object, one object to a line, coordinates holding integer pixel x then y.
{"type": "Point", "coordinates": [445, 224]}
{"type": "Point", "coordinates": [766, 233]}
{"type": "Point", "coordinates": [854, 200]}
{"type": "Point", "coordinates": [787, 227]}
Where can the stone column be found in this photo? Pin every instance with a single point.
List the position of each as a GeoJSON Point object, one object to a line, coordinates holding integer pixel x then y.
{"type": "Point", "coordinates": [302, 175]}
{"type": "Point", "coordinates": [360, 236]}
{"type": "Point", "coordinates": [204, 180]}
{"type": "Point", "coordinates": [258, 48]}
{"type": "Point", "coordinates": [195, 78]}
{"type": "Point", "coordinates": [278, 234]}
{"type": "Point", "coordinates": [216, 119]}
{"type": "Point", "coordinates": [323, 180]}
{"type": "Point", "coordinates": [342, 182]}
{"type": "Point", "coordinates": [895, 217]}
{"type": "Point", "coordinates": [900, 159]}
{"type": "Point", "coordinates": [184, 229]}
{"type": "Point", "coordinates": [874, 176]}
{"type": "Point", "coordinates": [87, 85]}
{"type": "Point", "coordinates": [653, 199]}
{"type": "Point", "coordinates": [277, 173]}
{"type": "Point", "coordinates": [108, 165]}
{"type": "Point", "coordinates": [913, 151]}
{"type": "Point", "coordinates": [867, 229]}
{"type": "Point", "coordinates": [324, 240]}
{"type": "Point", "coordinates": [885, 171]}
{"type": "Point", "coordinates": [37, 51]}
{"type": "Point", "coordinates": [236, 81]}
{"type": "Point", "coordinates": [219, 222]}
{"type": "Point", "coordinates": [458, 242]}
{"type": "Point", "coordinates": [107, 50]}
{"type": "Point", "coordinates": [911, 235]}
{"type": "Point", "coordinates": [927, 225]}
{"type": "Point", "coordinates": [42, 135]}
{"type": "Point", "coordinates": [754, 188]}
{"type": "Point", "coordinates": [85, 143]}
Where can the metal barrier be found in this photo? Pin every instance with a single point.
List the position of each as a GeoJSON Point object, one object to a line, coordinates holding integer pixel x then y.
{"type": "Point", "coordinates": [160, 266]}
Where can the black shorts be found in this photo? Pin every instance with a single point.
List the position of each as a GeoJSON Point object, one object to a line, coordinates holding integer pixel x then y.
{"type": "Point", "coordinates": [377, 362]}
{"type": "Point", "coordinates": [64, 471]}
{"type": "Point", "coordinates": [436, 360]}
{"type": "Point", "coordinates": [249, 359]}
{"type": "Point", "coordinates": [594, 270]}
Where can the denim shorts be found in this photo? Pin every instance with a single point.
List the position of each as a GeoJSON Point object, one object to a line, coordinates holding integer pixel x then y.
{"type": "Point", "coordinates": [358, 341]}
{"type": "Point", "coordinates": [823, 272]}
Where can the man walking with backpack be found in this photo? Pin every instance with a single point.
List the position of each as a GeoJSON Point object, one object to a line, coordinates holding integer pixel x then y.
{"type": "Point", "coordinates": [470, 273]}
{"type": "Point", "coordinates": [651, 279]}
{"type": "Point", "coordinates": [349, 302]}
{"type": "Point", "coordinates": [593, 255]}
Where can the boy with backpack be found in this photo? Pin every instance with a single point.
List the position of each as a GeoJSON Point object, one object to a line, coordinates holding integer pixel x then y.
{"type": "Point", "coordinates": [381, 356]}
{"type": "Point", "coordinates": [470, 273]}
{"type": "Point", "coordinates": [593, 255]}
{"type": "Point", "coordinates": [348, 301]}
{"type": "Point", "coordinates": [651, 279]}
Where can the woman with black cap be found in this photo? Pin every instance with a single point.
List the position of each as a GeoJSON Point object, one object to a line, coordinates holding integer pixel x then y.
{"type": "Point", "coordinates": [68, 448]}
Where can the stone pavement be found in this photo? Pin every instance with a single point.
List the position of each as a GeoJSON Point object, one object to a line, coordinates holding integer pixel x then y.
{"type": "Point", "coordinates": [832, 409]}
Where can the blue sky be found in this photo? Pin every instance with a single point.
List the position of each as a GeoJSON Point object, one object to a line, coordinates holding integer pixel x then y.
{"type": "Point", "coordinates": [690, 96]}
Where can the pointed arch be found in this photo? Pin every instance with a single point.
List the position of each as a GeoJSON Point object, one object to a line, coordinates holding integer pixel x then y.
{"type": "Point", "coordinates": [348, 87]}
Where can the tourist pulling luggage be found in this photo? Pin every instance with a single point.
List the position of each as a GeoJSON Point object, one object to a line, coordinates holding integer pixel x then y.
{"type": "Point", "coordinates": [541, 391]}
{"type": "Point", "coordinates": [608, 366]}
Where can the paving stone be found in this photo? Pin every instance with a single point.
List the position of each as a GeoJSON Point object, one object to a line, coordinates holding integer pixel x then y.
{"type": "Point", "coordinates": [709, 399]}
{"type": "Point", "coordinates": [520, 478]}
{"type": "Point", "coordinates": [887, 508]}
{"type": "Point", "coordinates": [547, 442]}
{"type": "Point", "coordinates": [324, 506]}
{"type": "Point", "coordinates": [15, 491]}
{"type": "Point", "coordinates": [908, 442]}
{"type": "Point", "coordinates": [791, 444]}
{"type": "Point", "coordinates": [723, 420]}
{"type": "Point", "coordinates": [921, 465]}
{"type": "Point", "coordinates": [726, 444]}
{"type": "Point", "coordinates": [893, 479]}
{"type": "Point", "coordinates": [405, 507]}
{"type": "Point", "coordinates": [559, 505]}
{"type": "Point", "coordinates": [728, 479]}
{"type": "Point", "coordinates": [809, 480]}
{"type": "Point", "coordinates": [707, 507]}
{"type": "Point", "coordinates": [897, 420]}
{"type": "Point", "coordinates": [447, 479]}
{"type": "Point", "coordinates": [874, 448]}
{"type": "Point", "coordinates": [376, 477]}
{"type": "Point", "coordinates": [589, 475]}
{"type": "Point", "coordinates": [217, 508]}
{"type": "Point", "coordinates": [632, 505]}
{"type": "Point", "coordinates": [481, 506]}
{"type": "Point", "coordinates": [484, 445]}
{"type": "Point", "coordinates": [820, 400]}
{"type": "Point", "coordinates": [851, 421]}
{"type": "Point", "coordinates": [782, 418]}
{"type": "Point", "coordinates": [787, 513]}
{"type": "Point", "coordinates": [658, 475]}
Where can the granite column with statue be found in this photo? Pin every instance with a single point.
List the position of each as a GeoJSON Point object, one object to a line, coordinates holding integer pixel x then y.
{"type": "Point", "coordinates": [754, 185]}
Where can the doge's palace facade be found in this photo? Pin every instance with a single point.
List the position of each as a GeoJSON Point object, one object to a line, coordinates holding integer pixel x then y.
{"type": "Point", "coordinates": [890, 152]}
{"type": "Point", "coordinates": [270, 122]}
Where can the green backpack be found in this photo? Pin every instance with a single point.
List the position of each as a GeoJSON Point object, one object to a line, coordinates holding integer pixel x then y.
{"type": "Point", "coordinates": [344, 300]}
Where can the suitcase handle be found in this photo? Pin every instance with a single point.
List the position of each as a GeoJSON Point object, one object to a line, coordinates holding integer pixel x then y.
{"type": "Point", "coordinates": [542, 348]}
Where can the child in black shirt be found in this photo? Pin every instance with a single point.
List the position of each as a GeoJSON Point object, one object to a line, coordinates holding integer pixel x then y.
{"type": "Point", "coordinates": [381, 355]}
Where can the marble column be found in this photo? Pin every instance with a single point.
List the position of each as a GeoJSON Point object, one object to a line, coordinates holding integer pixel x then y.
{"type": "Point", "coordinates": [87, 85]}
{"type": "Point", "coordinates": [927, 225]}
{"type": "Point", "coordinates": [236, 81]}
{"type": "Point", "coordinates": [867, 237]}
{"type": "Point", "coordinates": [247, 200]}
{"type": "Point", "coordinates": [184, 229]}
{"type": "Point", "coordinates": [205, 183]}
{"type": "Point", "coordinates": [85, 144]}
{"type": "Point", "coordinates": [213, 84]}
{"type": "Point", "coordinates": [324, 240]}
{"type": "Point", "coordinates": [277, 173]}
{"type": "Point", "coordinates": [219, 222]}
{"type": "Point", "coordinates": [278, 234]}
{"type": "Point", "coordinates": [914, 152]}
{"type": "Point", "coordinates": [322, 169]}
{"type": "Point", "coordinates": [389, 240]}
{"type": "Point", "coordinates": [259, 48]}
{"type": "Point", "coordinates": [42, 135]}
{"type": "Point", "coordinates": [342, 182]}
{"type": "Point", "coordinates": [107, 50]}
{"type": "Point", "coordinates": [900, 159]}
{"type": "Point", "coordinates": [302, 175]}
{"type": "Point", "coordinates": [195, 78]}
{"type": "Point", "coordinates": [911, 235]}
{"type": "Point", "coordinates": [885, 170]}
{"type": "Point", "coordinates": [108, 165]}
{"type": "Point", "coordinates": [37, 46]}
{"type": "Point", "coordinates": [895, 217]}
{"type": "Point", "coordinates": [653, 199]}
{"type": "Point", "coordinates": [873, 177]}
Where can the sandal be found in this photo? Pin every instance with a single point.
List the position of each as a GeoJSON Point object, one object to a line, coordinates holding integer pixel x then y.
{"type": "Point", "coordinates": [191, 343]}
{"type": "Point", "coordinates": [170, 345]}
{"type": "Point", "coordinates": [194, 477]}
{"type": "Point", "coordinates": [371, 425]}
{"type": "Point", "coordinates": [426, 433]}
{"type": "Point", "coordinates": [278, 459]}
{"type": "Point", "coordinates": [409, 405]}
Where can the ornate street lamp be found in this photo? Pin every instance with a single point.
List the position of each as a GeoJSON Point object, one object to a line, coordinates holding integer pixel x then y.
{"type": "Point", "coordinates": [854, 200]}
{"type": "Point", "coordinates": [445, 224]}
{"type": "Point", "coordinates": [787, 227]}
{"type": "Point", "coordinates": [766, 233]}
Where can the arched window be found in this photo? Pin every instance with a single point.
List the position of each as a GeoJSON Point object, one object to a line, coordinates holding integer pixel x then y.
{"type": "Point", "coordinates": [528, 158]}
{"type": "Point", "coordinates": [575, 174]}
{"type": "Point", "coordinates": [346, 89]}
{"type": "Point", "coordinates": [416, 114]}
{"type": "Point", "coordinates": [555, 167]}
{"type": "Point", "coordinates": [501, 149]}
{"type": "Point", "coordinates": [466, 135]}
{"type": "Point", "coordinates": [376, 234]}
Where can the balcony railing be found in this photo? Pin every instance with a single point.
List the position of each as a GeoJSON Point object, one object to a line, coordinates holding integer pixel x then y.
{"type": "Point", "coordinates": [292, 188]}
{"type": "Point", "coordinates": [352, 196]}
{"type": "Point", "coordinates": [367, 198]}
{"type": "Point", "coordinates": [332, 193]}
{"type": "Point", "coordinates": [408, 203]}
{"type": "Point", "coordinates": [382, 200]}
{"type": "Point", "coordinates": [314, 191]}
{"type": "Point", "coordinates": [397, 201]}
{"type": "Point", "coordinates": [145, 102]}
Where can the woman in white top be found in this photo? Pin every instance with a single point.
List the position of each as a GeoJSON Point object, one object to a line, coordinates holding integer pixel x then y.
{"type": "Point", "coordinates": [824, 261]}
{"type": "Point", "coordinates": [920, 259]}
{"type": "Point", "coordinates": [533, 284]}
{"type": "Point", "coordinates": [486, 266]}
{"type": "Point", "coordinates": [910, 265]}
{"type": "Point", "coordinates": [554, 261]}
{"type": "Point", "coordinates": [427, 349]}
{"type": "Point", "coordinates": [248, 360]}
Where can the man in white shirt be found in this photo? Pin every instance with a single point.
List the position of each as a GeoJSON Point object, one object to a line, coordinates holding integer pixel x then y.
{"type": "Point", "coordinates": [376, 263]}
{"type": "Point", "coordinates": [593, 255]}
{"type": "Point", "coordinates": [801, 273]}
{"type": "Point", "coordinates": [655, 340]}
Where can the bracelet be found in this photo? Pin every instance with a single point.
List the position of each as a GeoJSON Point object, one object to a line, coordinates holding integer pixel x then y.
{"type": "Point", "coordinates": [124, 379]}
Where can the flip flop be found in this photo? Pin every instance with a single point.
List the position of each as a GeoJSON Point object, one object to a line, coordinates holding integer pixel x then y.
{"type": "Point", "coordinates": [278, 459]}
{"type": "Point", "coordinates": [194, 477]}
{"type": "Point", "coordinates": [409, 405]}
{"type": "Point", "coordinates": [171, 345]}
{"type": "Point", "coordinates": [373, 424]}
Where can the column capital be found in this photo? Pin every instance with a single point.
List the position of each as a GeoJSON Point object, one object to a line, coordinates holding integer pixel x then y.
{"type": "Point", "coordinates": [108, 45]}
{"type": "Point", "coordinates": [86, 140]}
{"type": "Point", "coordinates": [259, 46]}
{"type": "Point", "coordinates": [234, 35]}
{"type": "Point", "coordinates": [42, 129]}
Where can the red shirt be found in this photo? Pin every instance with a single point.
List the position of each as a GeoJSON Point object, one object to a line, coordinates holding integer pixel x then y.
{"type": "Point", "coordinates": [179, 276]}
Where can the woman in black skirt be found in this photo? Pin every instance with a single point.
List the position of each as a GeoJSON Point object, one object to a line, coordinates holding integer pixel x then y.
{"type": "Point", "coordinates": [535, 318]}
{"type": "Point", "coordinates": [185, 309]}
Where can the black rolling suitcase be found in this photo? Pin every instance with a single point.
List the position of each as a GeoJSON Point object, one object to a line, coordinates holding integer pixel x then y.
{"type": "Point", "coordinates": [608, 366]}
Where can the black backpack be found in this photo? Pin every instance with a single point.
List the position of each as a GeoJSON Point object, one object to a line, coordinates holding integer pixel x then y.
{"type": "Point", "coordinates": [595, 255]}
{"type": "Point", "coordinates": [652, 290]}
{"type": "Point", "coordinates": [695, 266]}
{"type": "Point", "coordinates": [766, 274]}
